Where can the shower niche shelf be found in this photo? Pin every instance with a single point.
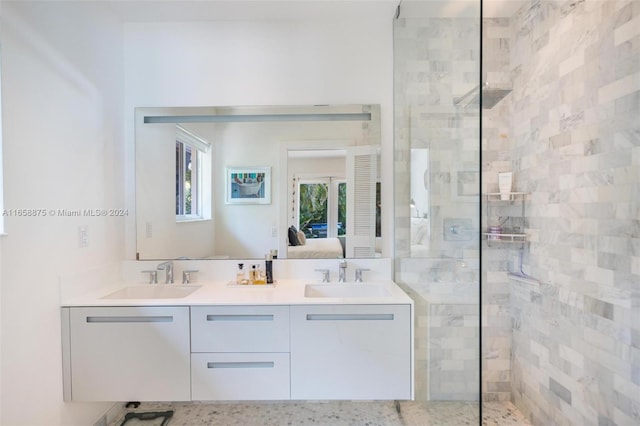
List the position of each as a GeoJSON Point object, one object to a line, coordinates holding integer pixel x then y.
{"type": "Point", "coordinates": [509, 214]}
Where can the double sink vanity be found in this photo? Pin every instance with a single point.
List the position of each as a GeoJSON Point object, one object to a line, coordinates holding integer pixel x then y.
{"type": "Point", "coordinates": [214, 340]}
{"type": "Point", "coordinates": [211, 339]}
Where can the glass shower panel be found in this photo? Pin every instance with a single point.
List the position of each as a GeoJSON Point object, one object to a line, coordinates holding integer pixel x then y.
{"type": "Point", "coordinates": [437, 191]}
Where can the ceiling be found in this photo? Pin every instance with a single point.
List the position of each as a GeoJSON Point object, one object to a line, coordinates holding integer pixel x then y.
{"type": "Point", "coordinates": [501, 8]}
{"type": "Point", "coordinates": [212, 10]}
{"type": "Point", "coordinates": [232, 10]}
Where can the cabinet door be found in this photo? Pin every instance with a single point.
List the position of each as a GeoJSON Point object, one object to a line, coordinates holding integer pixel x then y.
{"type": "Point", "coordinates": [130, 354]}
{"type": "Point", "coordinates": [240, 329]}
{"type": "Point", "coordinates": [240, 376]}
{"type": "Point", "coordinates": [351, 352]}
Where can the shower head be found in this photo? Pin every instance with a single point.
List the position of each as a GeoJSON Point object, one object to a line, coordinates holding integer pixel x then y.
{"type": "Point", "coordinates": [490, 97]}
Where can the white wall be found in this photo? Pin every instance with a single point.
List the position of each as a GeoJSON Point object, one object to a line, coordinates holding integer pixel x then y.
{"type": "Point", "coordinates": [62, 114]}
{"type": "Point", "coordinates": [160, 236]}
{"type": "Point", "coordinates": [317, 167]}
{"type": "Point", "coordinates": [304, 62]}
{"type": "Point", "coordinates": [62, 96]}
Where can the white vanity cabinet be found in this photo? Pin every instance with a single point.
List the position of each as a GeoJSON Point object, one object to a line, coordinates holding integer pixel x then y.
{"type": "Point", "coordinates": [240, 352]}
{"type": "Point", "coordinates": [224, 352]}
{"type": "Point", "coordinates": [351, 352]}
{"type": "Point", "coordinates": [126, 353]}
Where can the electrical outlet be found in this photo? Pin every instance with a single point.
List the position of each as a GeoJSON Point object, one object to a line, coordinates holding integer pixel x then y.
{"type": "Point", "coordinates": [149, 229]}
{"type": "Point", "coordinates": [274, 232]}
{"type": "Point", "coordinates": [83, 236]}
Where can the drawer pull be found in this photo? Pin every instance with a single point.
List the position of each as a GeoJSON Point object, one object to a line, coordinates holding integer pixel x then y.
{"type": "Point", "coordinates": [129, 319]}
{"type": "Point", "coordinates": [239, 317]}
{"type": "Point", "coordinates": [349, 317]}
{"type": "Point", "coordinates": [256, 364]}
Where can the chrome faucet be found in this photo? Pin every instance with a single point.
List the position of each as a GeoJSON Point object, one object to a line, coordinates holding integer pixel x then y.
{"type": "Point", "coordinates": [168, 268]}
{"type": "Point", "coordinates": [342, 277]}
{"type": "Point", "coordinates": [186, 276]}
{"type": "Point", "coordinates": [359, 272]}
{"type": "Point", "coordinates": [325, 275]}
{"type": "Point", "coordinates": [153, 276]}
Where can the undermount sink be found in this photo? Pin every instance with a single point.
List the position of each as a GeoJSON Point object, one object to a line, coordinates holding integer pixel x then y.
{"type": "Point", "coordinates": [153, 291]}
{"type": "Point", "coordinates": [345, 290]}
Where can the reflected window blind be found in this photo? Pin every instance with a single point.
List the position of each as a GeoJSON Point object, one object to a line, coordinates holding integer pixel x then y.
{"type": "Point", "coordinates": [364, 204]}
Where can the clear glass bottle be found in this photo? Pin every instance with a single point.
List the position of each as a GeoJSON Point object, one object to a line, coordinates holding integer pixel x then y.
{"type": "Point", "coordinates": [260, 278]}
{"type": "Point", "coordinates": [240, 274]}
{"type": "Point", "coordinates": [252, 274]}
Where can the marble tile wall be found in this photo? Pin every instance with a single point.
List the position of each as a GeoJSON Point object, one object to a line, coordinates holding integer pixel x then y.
{"type": "Point", "coordinates": [437, 60]}
{"type": "Point", "coordinates": [574, 127]}
{"type": "Point", "coordinates": [497, 146]}
{"type": "Point", "coordinates": [452, 346]}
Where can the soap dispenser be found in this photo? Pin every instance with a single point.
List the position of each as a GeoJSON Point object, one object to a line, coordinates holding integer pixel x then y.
{"type": "Point", "coordinates": [268, 267]}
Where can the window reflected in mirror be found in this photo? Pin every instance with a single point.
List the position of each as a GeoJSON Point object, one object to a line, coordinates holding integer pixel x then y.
{"type": "Point", "coordinates": [186, 181]}
{"type": "Point", "coordinates": [192, 160]}
{"type": "Point", "coordinates": [322, 207]}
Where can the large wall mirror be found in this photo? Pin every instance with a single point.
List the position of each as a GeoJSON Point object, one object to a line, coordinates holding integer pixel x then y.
{"type": "Point", "coordinates": [237, 182]}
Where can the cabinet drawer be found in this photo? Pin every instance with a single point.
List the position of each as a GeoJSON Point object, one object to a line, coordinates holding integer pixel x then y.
{"type": "Point", "coordinates": [239, 376]}
{"type": "Point", "coordinates": [351, 352]}
{"type": "Point", "coordinates": [129, 354]}
{"type": "Point", "coordinates": [240, 329]}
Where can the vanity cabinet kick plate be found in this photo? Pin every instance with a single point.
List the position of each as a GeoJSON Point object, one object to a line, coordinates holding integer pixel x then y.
{"type": "Point", "coordinates": [457, 229]}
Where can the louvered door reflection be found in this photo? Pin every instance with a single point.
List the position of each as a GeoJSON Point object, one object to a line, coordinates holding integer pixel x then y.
{"type": "Point", "coordinates": [362, 175]}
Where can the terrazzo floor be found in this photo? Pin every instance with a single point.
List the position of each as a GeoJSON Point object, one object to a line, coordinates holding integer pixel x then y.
{"type": "Point", "coordinates": [334, 413]}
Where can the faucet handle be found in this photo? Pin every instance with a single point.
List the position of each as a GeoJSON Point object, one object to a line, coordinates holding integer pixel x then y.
{"type": "Point", "coordinates": [325, 275]}
{"type": "Point", "coordinates": [165, 265]}
{"type": "Point", "coordinates": [359, 272]}
{"type": "Point", "coordinates": [186, 275]}
{"type": "Point", "coordinates": [153, 276]}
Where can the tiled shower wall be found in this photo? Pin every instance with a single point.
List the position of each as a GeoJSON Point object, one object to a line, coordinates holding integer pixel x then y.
{"type": "Point", "coordinates": [437, 60]}
{"type": "Point", "coordinates": [497, 148]}
{"type": "Point", "coordinates": [575, 128]}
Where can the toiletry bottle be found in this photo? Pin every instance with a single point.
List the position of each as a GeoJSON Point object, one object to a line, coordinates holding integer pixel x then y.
{"type": "Point", "coordinates": [260, 279]}
{"type": "Point", "coordinates": [268, 267]}
{"type": "Point", "coordinates": [252, 274]}
{"type": "Point", "coordinates": [240, 276]}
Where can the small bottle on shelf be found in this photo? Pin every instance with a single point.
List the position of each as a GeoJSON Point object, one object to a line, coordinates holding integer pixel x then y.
{"type": "Point", "coordinates": [497, 230]}
{"type": "Point", "coordinates": [240, 275]}
{"type": "Point", "coordinates": [252, 274]}
{"type": "Point", "coordinates": [260, 278]}
{"type": "Point", "coordinates": [268, 267]}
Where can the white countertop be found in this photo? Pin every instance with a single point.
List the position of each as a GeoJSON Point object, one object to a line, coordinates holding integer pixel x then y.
{"type": "Point", "coordinates": [285, 292]}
